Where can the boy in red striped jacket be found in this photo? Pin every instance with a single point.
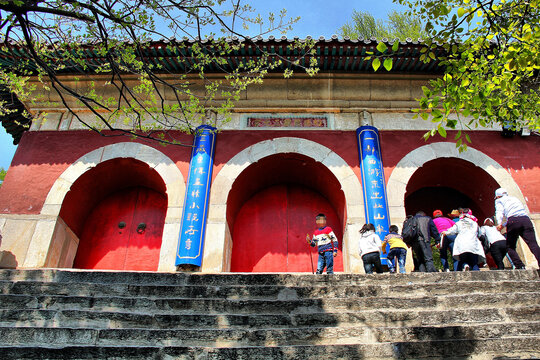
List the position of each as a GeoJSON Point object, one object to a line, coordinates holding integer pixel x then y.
{"type": "Point", "coordinates": [327, 244]}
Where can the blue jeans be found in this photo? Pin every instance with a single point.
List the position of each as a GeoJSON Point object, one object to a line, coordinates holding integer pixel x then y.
{"type": "Point", "coordinates": [326, 259]}
{"type": "Point", "coordinates": [401, 255]}
{"type": "Point", "coordinates": [448, 244]}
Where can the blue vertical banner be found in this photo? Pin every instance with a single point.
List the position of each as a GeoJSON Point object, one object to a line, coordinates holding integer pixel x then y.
{"type": "Point", "coordinates": [373, 182]}
{"type": "Point", "coordinates": [191, 243]}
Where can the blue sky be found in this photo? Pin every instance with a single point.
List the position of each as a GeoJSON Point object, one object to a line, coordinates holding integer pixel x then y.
{"type": "Point", "coordinates": [318, 18]}
{"type": "Point", "coordinates": [7, 149]}
{"type": "Point", "coordinates": [323, 17]}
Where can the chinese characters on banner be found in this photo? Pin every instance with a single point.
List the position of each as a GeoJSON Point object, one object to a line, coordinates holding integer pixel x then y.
{"type": "Point", "coordinates": [373, 182]}
{"type": "Point", "coordinates": [191, 243]}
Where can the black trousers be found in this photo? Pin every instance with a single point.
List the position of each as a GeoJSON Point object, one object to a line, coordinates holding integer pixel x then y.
{"type": "Point", "coordinates": [424, 255]}
{"type": "Point", "coordinates": [498, 252]}
{"type": "Point", "coordinates": [520, 226]}
{"type": "Point", "coordinates": [468, 258]}
{"type": "Point", "coordinates": [372, 260]}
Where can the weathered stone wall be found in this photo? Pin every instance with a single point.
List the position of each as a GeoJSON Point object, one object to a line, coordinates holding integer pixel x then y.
{"type": "Point", "coordinates": [383, 100]}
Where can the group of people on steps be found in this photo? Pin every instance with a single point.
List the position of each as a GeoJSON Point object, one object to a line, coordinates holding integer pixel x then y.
{"type": "Point", "coordinates": [460, 233]}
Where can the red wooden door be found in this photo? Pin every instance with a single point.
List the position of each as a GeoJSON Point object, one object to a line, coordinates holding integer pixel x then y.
{"type": "Point", "coordinates": [106, 245]}
{"type": "Point", "coordinates": [270, 230]}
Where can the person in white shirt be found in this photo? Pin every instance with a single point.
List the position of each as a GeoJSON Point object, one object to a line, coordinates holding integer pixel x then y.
{"type": "Point", "coordinates": [467, 248]}
{"type": "Point", "coordinates": [517, 224]}
{"type": "Point", "coordinates": [369, 248]}
{"type": "Point", "coordinates": [496, 240]}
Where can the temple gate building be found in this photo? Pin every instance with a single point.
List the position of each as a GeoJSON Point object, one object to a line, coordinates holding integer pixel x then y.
{"type": "Point", "coordinates": [75, 199]}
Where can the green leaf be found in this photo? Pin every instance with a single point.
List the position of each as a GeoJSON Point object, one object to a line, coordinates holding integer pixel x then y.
{"type": "Point", "coordinates": [382, 47]}
{"type": "Point", "coordinates": [461, 11]}
{"type": "Point", "coordinates": [511, 65]}
{"type": "Point", "coordinates": [388, 63]}
{"type": "Point", "coordinates": [395, 46]}
{"type": "Point", "coordinates": [376, 64]}
{"type": "Point", "coordinates": [442, 131]}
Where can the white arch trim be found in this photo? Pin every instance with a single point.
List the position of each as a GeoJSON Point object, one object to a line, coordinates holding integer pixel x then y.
{"type": "Point", "coordinates": [218, 241]}
{"type": "Point", "coordinates": [402, 173]}
{"type": "Point", "coordinates": [162, 164]}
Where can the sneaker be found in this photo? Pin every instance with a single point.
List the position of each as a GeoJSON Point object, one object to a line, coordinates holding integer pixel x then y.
{"type": "Point", "coordinates": [447, 270]}
{"type": "Point", "coordinates": [466, 267]}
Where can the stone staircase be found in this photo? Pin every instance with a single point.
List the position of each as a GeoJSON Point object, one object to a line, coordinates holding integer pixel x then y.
{"type": "Point", "coordinates": [70, 314]}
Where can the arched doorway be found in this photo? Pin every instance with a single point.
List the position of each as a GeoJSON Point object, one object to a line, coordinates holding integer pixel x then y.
{"type": "Point", "coordinates": [117, 209]}
{"type": "Point", "coordinates": [449, 183]}
{"type": "Point", "coordinates": [401, 183]}
{"type": "Point", "coordinates": [56, 245]}
{"type": "Point", "coordinates": [271, 207]}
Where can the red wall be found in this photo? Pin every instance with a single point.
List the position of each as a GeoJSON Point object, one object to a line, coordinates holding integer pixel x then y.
{"type": "Point", "coordinates": [519, 155]}
{"type": "Point", "coordinates": [42, 157]}
{"type": "Point", "coordinates": [229, 143]}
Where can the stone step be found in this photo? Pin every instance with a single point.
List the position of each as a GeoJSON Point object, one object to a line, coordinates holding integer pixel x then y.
{"type": "Point", "coordinates": [36, 336]}
{"type": "Point", "coordinates": [277, 292]}
{"type": "Point", "coordinates": [73, 314]}
{"type": "Point", "coordinates": [389, 317]}
{"type": "Point", "coordinates": [226, 279]}
{"type": "Point", "coordinates": [255, 306]}
{"type": "Point", "coordinates": [471, 349]}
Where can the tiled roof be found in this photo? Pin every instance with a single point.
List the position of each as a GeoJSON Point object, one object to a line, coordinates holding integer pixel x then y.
{"type": "Point", "coordinates": [334, 55]}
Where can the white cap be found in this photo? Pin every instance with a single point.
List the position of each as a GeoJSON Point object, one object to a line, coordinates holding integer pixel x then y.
{"type": "Point", "coordinates": [500, 192]}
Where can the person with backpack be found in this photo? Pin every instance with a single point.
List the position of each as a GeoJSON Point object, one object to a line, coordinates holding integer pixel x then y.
{"type": "Point", "coordinates": [418, 231]}
{"type": "Point", "coordinates": [408, 234]}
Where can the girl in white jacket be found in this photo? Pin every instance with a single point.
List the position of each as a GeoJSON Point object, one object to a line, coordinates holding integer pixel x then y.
{"type": "Point", "coordinates": [369, 248]}
{"type": "Point", "coordinates": [467, 247]}
{"type": "Point", "coordinates": [497, 242]}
